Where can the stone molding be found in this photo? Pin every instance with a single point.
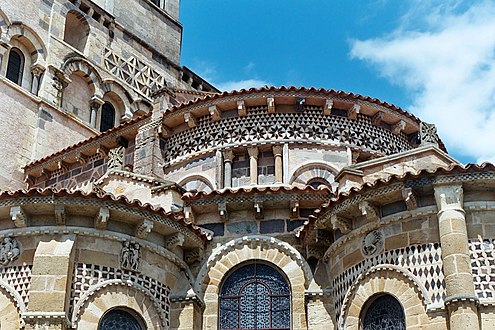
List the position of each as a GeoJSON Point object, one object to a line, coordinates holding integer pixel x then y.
{"type": "Point", "coordinates": [119, 283]}
{"type": "Point", "coordinates": [262, 241]}
{"type": "Point", "coordinates": [16, 297]}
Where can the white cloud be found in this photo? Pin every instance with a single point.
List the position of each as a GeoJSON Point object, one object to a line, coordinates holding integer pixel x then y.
{"type": "Point", "coordinates": [448, 65]}
{"type": "Point", "coordinates": [240, 84]}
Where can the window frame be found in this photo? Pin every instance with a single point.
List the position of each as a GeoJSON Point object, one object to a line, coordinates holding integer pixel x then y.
{"type": "Point", "coordinates": [22, 63]}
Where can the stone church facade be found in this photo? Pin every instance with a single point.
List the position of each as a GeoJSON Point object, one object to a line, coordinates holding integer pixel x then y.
{"type": "Point", "coordinates": [135, 195]}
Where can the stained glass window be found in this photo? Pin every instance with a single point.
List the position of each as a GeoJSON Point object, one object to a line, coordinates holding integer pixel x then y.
{"type": "Point", "coordinates": [384, 313]}
{"type": "Point", "coordinates": [119, 319]}
{"type": "Point", "coordinates": [255, 296]}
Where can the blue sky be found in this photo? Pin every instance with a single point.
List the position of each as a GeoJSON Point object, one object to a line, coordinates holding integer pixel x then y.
{"type": "Point", "coordinates": [432, 58]}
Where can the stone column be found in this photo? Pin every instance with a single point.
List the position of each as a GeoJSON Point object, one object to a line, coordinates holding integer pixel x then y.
{"type": "Point", "coordinates": [95, 106]}
{"type": "Point", "coordinates": [253, 164]}
{"type": "Point", "coordinates": [228, 157]}
{"type": "Point", "coordinates": [461, 299]}
{"type": "Point", "coordinates": [37, 72]}
{"type": "Point", "coordinates": [277, 153]}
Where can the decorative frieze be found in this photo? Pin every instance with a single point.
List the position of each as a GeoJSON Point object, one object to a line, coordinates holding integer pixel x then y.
{"type": "Point", "coordinates": [428, 134]}
{"type": "Point", "coordinates": [310, 126]}
{"type": "Point", "coordinates": [116, 158]}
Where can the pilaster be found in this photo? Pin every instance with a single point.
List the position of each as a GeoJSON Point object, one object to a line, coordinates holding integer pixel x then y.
{"type": "Point", "coordinates": [461, 299]}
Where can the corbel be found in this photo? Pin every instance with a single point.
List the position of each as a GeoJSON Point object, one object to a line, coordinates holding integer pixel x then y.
{"type": "Point", "coordinates": [101, 219]}
{"type": "Point", "coordinates": [60, 214]}
{"type": "Point", "coordinates": [122, 141]}
{"type": "Point", "coordinates": [294, 209]}
{"type": "Point", "coordinates": [327, 108]}
{"type": "Point", "coordinates": [300, 101]}
{"type": "Point", "coordinates": [190, 120]}
{"type": "Point", "coordinates": [19, 216]}
{"type": "Point", "coordinates": [144, 228]}
{"type": "Point", "coordinates": [353, 112]}
{"type": "Point", "coordinates": [61, 165]}
{"type": "Point", "coordinates": [164, 131]}
{"type": "Point", "coordinates": [102, 151]}
{"type": "Point", "coordinates": [398, 127]}
{"type": "Point", "coordinates": [270, 102]}
{"type": "Point", "coordinates": [188, 214]}
{"type": "Point", "coordinates": [214, 113]}
{"type": "Point", "coordinates": [194, 255]}
{"type": "Point", "coordinates": [377, 118]}
{"type": "Point", "coordinates": [82, 158]}
{"type": "Point", "coordinates": [258, 209]}
{"type": "Point", "coordinates": [222, 211]}
{"type": "Point", "coordinates": [409, 199]}
{"type": "Point", "coordinates": [241, 108]}
{"type": "Point", "coordinates": [174, 240]}
{"type": "Point", "coordinates": [340, 223]}
{"type": "Point", "coordinates": [46, 173]}
{"type": "Point", "coordinates": [369, 211]}
{"type": "Point", "coordinates": [30, 180]}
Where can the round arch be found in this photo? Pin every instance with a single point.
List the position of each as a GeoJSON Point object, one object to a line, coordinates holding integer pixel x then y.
{"type": "Point", "coordinates": [267, 249]}
{"type": "Point", "coordinates": [118, 92]}
{"type": "Point", "coordinates": [385, 279]}
{"type": "Point", "coordinates": [196, 182]}
{"type": "Point", "coordinates": [307, 172]}
{"type": "Point", "coordinates": [13, 307]}
{"type": "Point", "coordinates": [114, 294]}
{"type": "Point", "coordinates": [86, 70]}
{"type": "Point", "coordinates": [32, 41]}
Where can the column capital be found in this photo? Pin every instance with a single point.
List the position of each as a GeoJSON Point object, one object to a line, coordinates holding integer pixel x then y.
{"type": "Point", "coordinates": [253, 152]}
{"type": "Point", "coordinates": [449, 197]}
{"type": "Point", "coordinates": [277, 150]}
{"type": "Point", "coordinates": [228, 155]}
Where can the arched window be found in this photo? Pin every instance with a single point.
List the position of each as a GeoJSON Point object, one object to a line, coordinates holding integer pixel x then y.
{"type": "Point", "coordinates": [255, 296]}
{"type": "Point", "coordinates": [15, 65]}
{"type": "Point", "coordinates": [107, 116]}
{"type": "Point", "coordinates": [120, 319]}
{"type": "Point", "coordinates": [383, 312]}
{"type": "Point", "coordinates": [317, 182]}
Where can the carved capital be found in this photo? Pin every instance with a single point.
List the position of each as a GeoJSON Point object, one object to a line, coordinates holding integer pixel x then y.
{"type": "Point", "coordinates": [277, 151]}
{"type": "Point", "coordinates": [449, 197]}
{"type": "Point", "coordinates": [253, 152]}
{"type": "Point", "coordinates": [144, 228]}
{"type": "Point", "coordinates": [228, 156]}
{"type": "Point", "coordinates": [18, 216]}
{"type": "Point", "coordinates": [101, 219]}
{"type": "Point", "coordinates": [241, 108]}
